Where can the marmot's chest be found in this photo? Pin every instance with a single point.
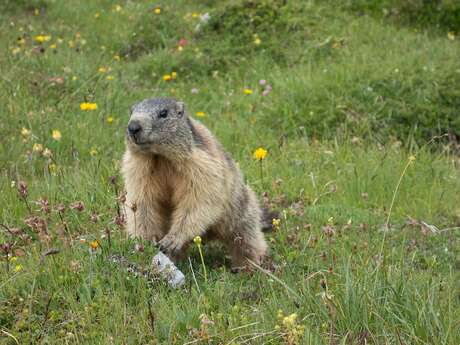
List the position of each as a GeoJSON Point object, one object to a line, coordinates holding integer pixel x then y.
{"type": "Point", "coordinates": [165, 184]}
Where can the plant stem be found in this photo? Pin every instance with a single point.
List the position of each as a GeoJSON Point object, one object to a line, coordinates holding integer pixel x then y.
{"type": "Point", "coordinates": [202, 263]}
{"type": "Point", "coordinates": [262, 173]}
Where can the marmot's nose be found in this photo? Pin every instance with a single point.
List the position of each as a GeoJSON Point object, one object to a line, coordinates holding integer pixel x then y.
{"type": "Point", "coordinates": [134, 127]}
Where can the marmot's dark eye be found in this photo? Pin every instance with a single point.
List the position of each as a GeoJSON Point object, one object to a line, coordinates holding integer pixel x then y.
{"type": "Point", "coordinates": [163, 113]}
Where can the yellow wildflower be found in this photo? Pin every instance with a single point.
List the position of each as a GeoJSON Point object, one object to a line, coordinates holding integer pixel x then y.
{"type": "Point", "coordinates": [37, 147]}
{"type": "Point", "coordinates": [16, 50]}
{"type": "Point", "coordinates": [42, 38]}
{"type": "Point", "coordinates": [53, 46]}
{"type": "Point", "coordinates": [109, 77]}
{"type": "Point", "coordinates": [74, 78]}
{"type": "Point", "coordinates": [451, 35]}
{"type": "Point", "coordinates": [52, 168]}
{"type": "Point", "coordinates": [167, 77]}
{"type": "Point", "coordinates": [21, 40]}
{"type": "Point", "coordinates": [257, 41]}
{"type": "Point", "coordinates": [94, 244]}
{"type": "Point", "coordinates": [200, 114]}
{"type": "Point", "coordinates": [109, 120]}
{"type": "Point", "coordinates": [195, 15]}
{"type": "Point", "coordinates": [93, 151]}
{"type": "Point", "coordinates": [412, 159]}
{"type": "Point", "coordinates": [88, 106]}
{"type": "Point", "coordinates": [56, 134]}
{"type": "Point", "coordinates": [37, 12]}
{"type": "Point", "coordinates": [102, 70]}
{"type": "Point", "coordinates": [25, 132]}
{"type": "Point", "coordinates": [97, 15]}
{"type": "Point", "coordinates": [157, 10]}
{"type": "Point", "coordinates": [276, 223]}
{"type": "Point", "coordinates": [247, 91]}
{"type": "Point", "coordinates": [197, 240]}
{"type": "Point", "coordinates": [289, 320]}
{"type": "Point", "coordinates": [260, 154]}
{"type": "Point", "coordinates": [47, 153]}
{"type": "Point", "coordinates": [280, 314]}
{"type": "Point", "coordinates": [174, 75]}
{"type": "Point", "coordinates": [17, 268]}
{"type": "Point", "coordinates": [118, 8]}
{"type": "Point", "coordinates": [116, 57]}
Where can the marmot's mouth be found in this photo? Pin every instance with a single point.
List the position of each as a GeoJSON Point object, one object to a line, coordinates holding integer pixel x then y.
{"type": "Point", "coordinates": [138, 142]}
{"type": "Point", "coordinates": [143, 144]}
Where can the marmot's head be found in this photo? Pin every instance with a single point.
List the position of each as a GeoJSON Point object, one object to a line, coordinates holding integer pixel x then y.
{"type": "Point", "coordinates": [159, 126]}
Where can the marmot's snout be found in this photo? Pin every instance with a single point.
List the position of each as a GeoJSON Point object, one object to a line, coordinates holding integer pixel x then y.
{"type": "Point", "coordinates": [134, 130]}
{"type": "Point", "coordinates": [140, 131]}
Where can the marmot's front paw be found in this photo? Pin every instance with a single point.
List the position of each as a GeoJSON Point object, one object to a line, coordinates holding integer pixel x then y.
{"type": "Point", "coordinates": [170, 244]}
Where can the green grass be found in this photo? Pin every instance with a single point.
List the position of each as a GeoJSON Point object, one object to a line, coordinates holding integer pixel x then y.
{"type": "Point", "coordinates": [354, 97]}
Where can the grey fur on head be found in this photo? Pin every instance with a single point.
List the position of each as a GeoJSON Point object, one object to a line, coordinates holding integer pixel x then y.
{"type": "Point", "coordinates": [160, 126]}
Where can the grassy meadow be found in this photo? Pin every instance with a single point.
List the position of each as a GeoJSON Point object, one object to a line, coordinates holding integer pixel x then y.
{"type": "Point", "coordinates": [358, 111]}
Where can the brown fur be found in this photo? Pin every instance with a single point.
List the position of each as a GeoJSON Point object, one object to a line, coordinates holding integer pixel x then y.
{"type": "Point", "coordinates": [199, 192]}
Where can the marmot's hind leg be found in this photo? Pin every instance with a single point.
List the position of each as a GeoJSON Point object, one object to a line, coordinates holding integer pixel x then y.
{"type": "Point", "coordinates": [247, 245]}
{"type": "Point", "coordinates": [248, 241]}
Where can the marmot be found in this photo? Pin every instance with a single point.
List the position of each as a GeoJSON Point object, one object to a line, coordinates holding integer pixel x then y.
{"type": "Point", "coordinates": [181, 183]}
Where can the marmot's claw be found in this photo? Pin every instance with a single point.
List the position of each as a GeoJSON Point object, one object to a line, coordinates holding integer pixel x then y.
{"type": "Point", "coordinates": [169, 245]}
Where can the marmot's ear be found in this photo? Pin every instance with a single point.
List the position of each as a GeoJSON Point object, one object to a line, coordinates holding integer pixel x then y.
{"type": "Point", "coordinates": [180, 108]}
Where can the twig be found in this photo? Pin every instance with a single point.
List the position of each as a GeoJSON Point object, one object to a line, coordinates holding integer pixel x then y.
{"type": "Point", "coordinates": [449, 229]}
{"type": "Point", "coordinates": [193, 275]}
{"type": "Point", "coordinates": [194, 341]}
{"type": "Point", "coordinates": [7, 229]}
{"type": "Point", "coordinates": [315, 274]}
{"type": "Point", "coordinates": [10, 335]}
{"type": "Point", "coordinates": [244, 326]}
{"type": "Point", "coordinates": [410, 161]}
{"type": "Point", "coordinates": [274, 277]}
